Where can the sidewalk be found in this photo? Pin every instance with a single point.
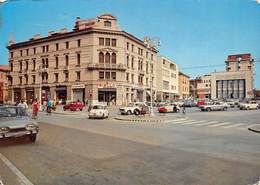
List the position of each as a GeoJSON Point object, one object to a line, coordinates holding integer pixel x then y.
{"type": "Point", "coordinates": [255, 128]}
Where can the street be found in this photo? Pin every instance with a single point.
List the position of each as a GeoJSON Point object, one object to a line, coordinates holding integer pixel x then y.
{"type": "Point", "coordinates": [202, 148]}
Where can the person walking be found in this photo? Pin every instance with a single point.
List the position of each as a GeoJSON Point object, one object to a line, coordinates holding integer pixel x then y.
{"type": "Point", "coordinates": [49, 106]}
{"type": "Point", "coordinates": [35, 107]}
{"type": "Point", "coordinates": [183, 109]}
{"type": "Point", "coordinates": [23, 106]}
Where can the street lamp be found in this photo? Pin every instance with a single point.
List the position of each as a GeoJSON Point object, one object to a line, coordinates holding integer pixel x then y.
{"type": "Point", "coordinates": [151, 43]}
{"type": "Point", "coordinates": [42, 69]}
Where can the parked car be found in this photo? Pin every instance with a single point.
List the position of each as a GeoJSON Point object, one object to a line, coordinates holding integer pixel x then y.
{"type": "Point", "coordinates": [189, 103]}
{"type": "Point", "coordinates": [169, 108]}
{"type": "Point", "coordinates": [133, 108]}
{"type": "Point", "coordinates": [73, 106]}
{"type": "Point", "coordinates": [15, 122]}
{"type": "Point", "coordinates": [200, 103]}
{"type": "Point", "coordinates": [214, 106]}
{"type": "Point", "coordinates": [249, 105]}
{"type": "Point", "coordinates": [98, 111]}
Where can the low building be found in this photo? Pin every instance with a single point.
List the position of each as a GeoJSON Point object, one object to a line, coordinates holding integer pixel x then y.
{"type": "Point", "coordinates": [237, 81]}
{"type": "Point", "coordinates": [4, 72]}
{"type": "Point", "coordinates": [194, 87]}
{"type": "Point", "coordinates": [204, 87]}
{"type": "Point", "coordinates": [167, 79]}
{"type": "Point", "coordinates": [184, 86]}
{"type": "Point", "coordinates": [96, 62]}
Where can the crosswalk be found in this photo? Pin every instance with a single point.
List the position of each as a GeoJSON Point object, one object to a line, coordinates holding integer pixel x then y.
{"type": "Point", "coordinates": [211, 124]}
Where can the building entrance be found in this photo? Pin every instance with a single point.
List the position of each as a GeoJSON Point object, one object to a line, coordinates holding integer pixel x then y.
{"type": "Point", "coordinates": [107, 95]}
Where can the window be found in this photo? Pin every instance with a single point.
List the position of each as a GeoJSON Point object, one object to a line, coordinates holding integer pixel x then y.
{"type": "Point", "coordinates": [12, 67]}
{"type": "Point", "coordinates": [26, 79]}
{"type": "Point", "coordinates": [101, 41]}
{"type": "Point", "coordinates": [66, 77]}
{"type": "Point", "coordinates": [57, 46]}
{"type": "Point", "coordinates": [101, 57]}
{"type": "Point", "coordinates": [79, 43]}
{"type": "Point", "coordinates": [56, 77]}
{"type": "Point", "coordinates": [107, 75]}
{"type": "Point", "coordinates": [47, 48]}
{"type": "Point", "coordinates": [67, 45]}
{"type": "Point", "coordinates": [21, 67]}
{"type": "Point", "coordinates": [33, 79]}
{"type": "Point", "coordinates": [34, 50]}
{"type": "Point", "coordinates": [46, 63]}
{"type": "Point", "coordinates": [166, 85]}
{"type": "Point", "coordinates": [101, 74]}
{"type": "Point", "coordinates": [27, 52]}
{"type": "Point", "coordinates": [34, 64]}
{"type": "Point", "coordinates": [147, 81]}
{"type": "Point", "coordinates": [20, 80]}
{"type": "Point", "coordinates": [132, 78]}
{"type": "Point", "coordinates": [146, 54]}
{"type": "Point", "coordinates": [107, 42]}
{"type": "Point", "coordinates": [78, 75]}
{"type": "Point", "coordinates": [127, 61]}
{"type": "Point", "coordinates": [21, 52]}
{"type": "Point", "coordinates": [27, 66]}
{"type": "Point", "coordinates": [67, 60]}
{"type": "Point", "coordinates": [127, 77]}
{"type": "Point", "coordinates": [43, 49]}
{"type": "Point", "coordinates": [78, 59]}
{"type": "Point", "coordinates": [12, 54]}
{"type": "Point", "coordinates": [107, 23]}
{"type": "Point", "coordinates": [132, 63]}
{"type": "Point", "coordinates": [151, 56]}
{"type": "Point", "coordinates": [113, 75]}
{"type": "Point", "coordinates": [107, 58]}
{"type": "Point", "coordinates": [132, 48]}
{"type": "Point", "coordinates": [114, 42]}
{"type": "Point", "coordinates": [56, 62]}
{"type": "Point", "coordinates": [127, 45]}
{"type": "Point", "coordinates": [113, 58]}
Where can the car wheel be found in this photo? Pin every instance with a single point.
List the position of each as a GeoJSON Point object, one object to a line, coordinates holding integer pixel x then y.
{"type": "Point", "coordinates": [208, 109]}
{"type": "Point", "coordinates": [225, 108]}
{"type": "Point", "coordinates": [33, 137]}
{"type": "Point", "coordinates": [128, 112]}
{"type": "Point", "coordinates": [136, 112]}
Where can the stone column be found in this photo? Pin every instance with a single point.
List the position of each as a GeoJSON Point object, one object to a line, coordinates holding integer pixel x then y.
{"type": "Point", "coordinates": [120, 98]}
{"type": "Point", "coordinates": [69, 93]}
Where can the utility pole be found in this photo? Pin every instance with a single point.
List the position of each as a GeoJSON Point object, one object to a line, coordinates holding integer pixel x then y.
{"type": "Point", "coordinates": [151, 43]}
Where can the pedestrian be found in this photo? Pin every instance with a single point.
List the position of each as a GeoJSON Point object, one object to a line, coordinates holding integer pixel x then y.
{"type": "Point", "coordinates": [35, 106]}
{"type": "Point", "coordinates": [183, 109]}
{"type": "Point", "coordinates": [49, 106]}
{"type": "Point", "coordinates": [23, 106]}
{"type": "Point", "coordinates": [174, 108]}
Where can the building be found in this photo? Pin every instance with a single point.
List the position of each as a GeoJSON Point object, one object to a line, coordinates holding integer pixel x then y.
{"type": "Point", "coordinates": [4, 72]}
{"type": "Point", "coordinates": [194, 87]}
{"type": "Point", "coordinates": [167, 79]}
{"type": "Point", "coordinates": [237, 81]}
{"type": "Point", "coordinates": [204, 87]}
{"type": "Point", "coordinates": [184, 86]}
{"type": "Point", "coordinates": [95, 62]}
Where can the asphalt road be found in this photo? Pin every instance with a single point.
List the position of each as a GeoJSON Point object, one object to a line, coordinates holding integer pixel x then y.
{"type": "Point", "coordinates": [204, 149]}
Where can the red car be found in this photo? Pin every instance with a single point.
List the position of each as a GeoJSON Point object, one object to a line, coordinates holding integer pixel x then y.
{"type": "Point", "coordinates": [73, 106]}
{"type": "Point", "coordinates": [200, 103]}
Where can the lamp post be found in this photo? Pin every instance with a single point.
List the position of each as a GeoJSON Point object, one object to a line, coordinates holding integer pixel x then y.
{"type": "Point", "coordinates": [42, 69]}
{"type": "Point", "coordinates": [150, 44]}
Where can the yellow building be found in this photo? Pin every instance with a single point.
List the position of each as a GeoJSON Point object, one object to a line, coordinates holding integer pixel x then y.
{"type": "Point", "coordinates": [184, 86]}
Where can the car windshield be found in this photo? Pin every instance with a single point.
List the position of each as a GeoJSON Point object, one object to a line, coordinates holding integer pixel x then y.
{"type": "Point", "coordinates": [12, 112]}
{"type": "Point", "coordinates": [98, 107]}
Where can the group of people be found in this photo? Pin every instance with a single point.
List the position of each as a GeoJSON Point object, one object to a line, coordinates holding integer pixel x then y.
{"type": "Point", "coordinates": [48, 105]}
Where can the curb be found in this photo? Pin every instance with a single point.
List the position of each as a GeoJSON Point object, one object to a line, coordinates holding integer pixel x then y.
{"type": "Point", "coordinates": [254, 130]}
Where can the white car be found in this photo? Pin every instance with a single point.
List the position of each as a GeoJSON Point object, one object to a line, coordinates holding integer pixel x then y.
{"type": "Point", "coordinates": [132, 108]}
{"type": "Point", "coordinates": [98, 111]}
{"type": "Point", "coordinates": [215, 106]}
{"type": "Point", "coordinates": [249, 105]}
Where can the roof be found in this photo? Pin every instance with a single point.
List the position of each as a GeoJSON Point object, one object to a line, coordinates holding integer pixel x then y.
{"type": "Point", "coordinates": [180, 73]}
{"type": "Point", "coordinates": [4, 68]}
{"type": "Point", "coordinates": [237, 57]}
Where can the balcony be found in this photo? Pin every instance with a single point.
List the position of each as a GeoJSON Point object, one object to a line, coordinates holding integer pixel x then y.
{"type": "Point", "coordinates": [103, 66]}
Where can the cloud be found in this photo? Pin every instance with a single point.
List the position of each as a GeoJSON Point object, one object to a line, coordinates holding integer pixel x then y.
{"type": "Point", "coordinates": [258, 1]}
{"type": "Point", "coordinates": [2, 1]}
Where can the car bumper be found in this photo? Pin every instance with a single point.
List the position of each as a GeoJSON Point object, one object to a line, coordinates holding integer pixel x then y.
{"type": "Point", "coordinates": [18, 134]}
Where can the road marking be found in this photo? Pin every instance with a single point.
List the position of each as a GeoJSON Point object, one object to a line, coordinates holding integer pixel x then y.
{"type": "Point", "coordinates": [22, 179]}
{"type": "Point", "coordinates": [193, 122]}
{"type": "Point", "coordinates": [185, 121]}
{"type": "Point", "coordinates": [234, 125]}
{"type": "Point", "coordinates": [208, 123]}
{"type": "Point", "coordinates": [219, 124]}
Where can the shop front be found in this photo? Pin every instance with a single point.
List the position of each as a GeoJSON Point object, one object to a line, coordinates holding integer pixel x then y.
{"type": "Point", "coordinates": [78, 92]}
{"type": "Point", "coordinates": [17, 95]}
{"type": "Point", "coordinates": [46, 94]}
{"type": "Point", "coordinates": [107, 93]}
{"type": "Point", "coordinates": [61, 94]}
{"type": "Point", "coordinates": [30, 95]}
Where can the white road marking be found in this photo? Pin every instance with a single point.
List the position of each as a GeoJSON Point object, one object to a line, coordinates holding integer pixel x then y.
{"type": "Point", "coordinates": [208, 123]}
{"type": "Point", "coordinates": [22, 179]}
{"type": "Point", "coordinates": [234, 125]}
{"type": "Point", "coordinates": [185, 121]}
{"type": "Point", "coordinates": [193, 122]}
{"type": "Point", "coordinates": [219, 124]}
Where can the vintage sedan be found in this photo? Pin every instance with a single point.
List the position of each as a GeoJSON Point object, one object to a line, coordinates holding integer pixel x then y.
{"type": "Point", "coordinates": [73, 106]}
{"type": "Point", "coordinates": [15, 122]}
{"type": "Point", "coordinates": [250, 105]}
{"type": "Point", "coordinates": [169, 108]}
{"type": "Point", "coordinates": [214, 106]}
{"type": "Point", "coordinates": [98, 111]}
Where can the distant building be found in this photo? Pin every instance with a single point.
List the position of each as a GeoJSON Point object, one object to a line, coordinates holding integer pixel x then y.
{"type": "Point", "coordinates": [184, 86]}
{"type": "Point", "coordinates": [237, 81]}
{"type": "Point", "coordinates": [167, 79]}
{"type": "Point", "coordinates": [204, 87]}
{"type": "Point", "coordinates": [4, 72]}
{"type": "Point", "coordinates": [194, 87]}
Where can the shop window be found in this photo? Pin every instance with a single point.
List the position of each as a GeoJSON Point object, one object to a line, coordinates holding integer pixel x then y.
{"type": "Point", "coordinates": [113, 75]}
{"type": "Point", "coordinates": [107, 58]}
{"type": "Point", "coordinates": [107, 41]}
{"type": "Point", "coordinates": [101, 41]}
{"type": "Point", "coordinates": [101, 57]}
{"type": "Point", "coordinates": [101, 74]}
{"type": "Point", "coordinates": [107, 75]}
{"type": "Point", "coordinates": [113, 58]}
{"type": "Point", "coordinates": [114, 42]}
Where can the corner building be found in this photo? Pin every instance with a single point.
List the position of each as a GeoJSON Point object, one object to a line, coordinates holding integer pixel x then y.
{"type": "Point", "coordinates": [96, 62]}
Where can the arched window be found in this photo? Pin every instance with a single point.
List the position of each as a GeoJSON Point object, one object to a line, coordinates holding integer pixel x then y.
{"type": "Point", "coordinates": [107, 58]}
{"type": "Point", "coordinates": [101, 57]}
{"type": "Point", "coordinates": [113, 58]}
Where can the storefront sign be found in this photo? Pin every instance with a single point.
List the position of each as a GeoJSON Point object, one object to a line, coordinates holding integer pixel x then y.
{"type": "Point", "coordinates": [107, 85]}
{"type": "Point", "coordinates": [78, 86]}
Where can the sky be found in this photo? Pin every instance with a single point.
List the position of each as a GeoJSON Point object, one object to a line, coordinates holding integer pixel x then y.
{"type": "Point", "coordinates": [193, 33]}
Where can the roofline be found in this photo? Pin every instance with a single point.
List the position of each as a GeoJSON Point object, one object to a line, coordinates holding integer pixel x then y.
{"type": "Point", "coordinates": [76, 33]}
{"type": "Point", "coordinates": [180, 73]}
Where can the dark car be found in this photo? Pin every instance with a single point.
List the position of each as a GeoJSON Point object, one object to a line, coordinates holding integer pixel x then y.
{"type": "Point", "coordinates": [73, 106]}
{"type": "Point", "coordinates": [15, 122]}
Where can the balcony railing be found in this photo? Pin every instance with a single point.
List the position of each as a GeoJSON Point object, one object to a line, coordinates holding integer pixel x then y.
{"type": "Point", "coordinates": [93, 66]}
